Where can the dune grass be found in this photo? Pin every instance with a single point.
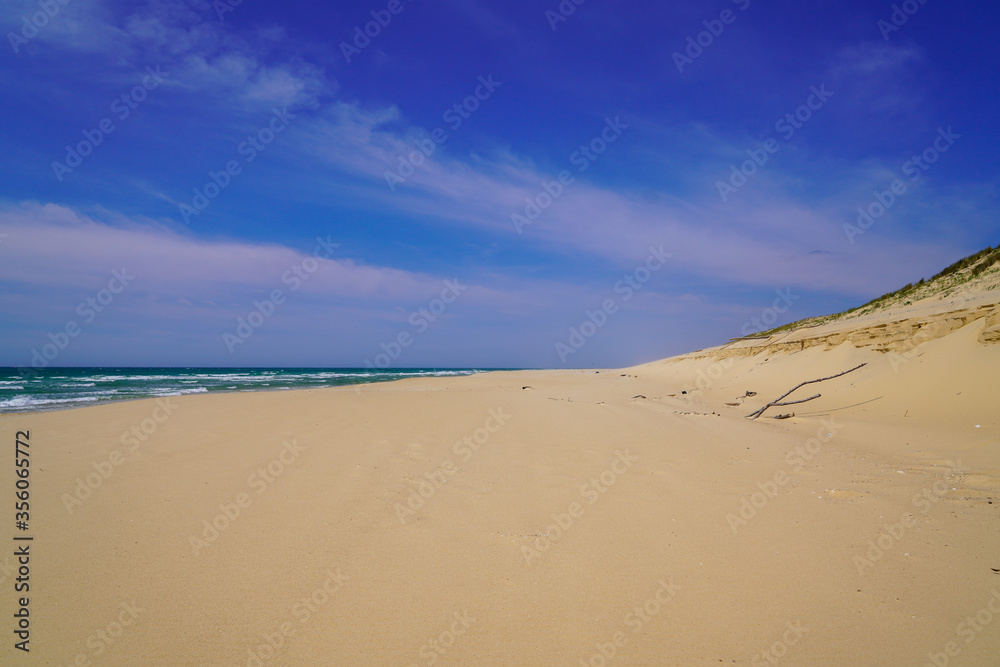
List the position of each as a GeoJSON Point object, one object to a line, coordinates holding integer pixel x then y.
{"type": "Point", "coordinates": [961, 272]}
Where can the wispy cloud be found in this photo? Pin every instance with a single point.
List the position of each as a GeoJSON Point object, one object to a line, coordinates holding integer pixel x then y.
{"type": "Point", "coordinates": [68, 246]}
{"type": "Point", "coordinates": [200, 53]}
{"type": "Point", "coordinates": [764, 240]}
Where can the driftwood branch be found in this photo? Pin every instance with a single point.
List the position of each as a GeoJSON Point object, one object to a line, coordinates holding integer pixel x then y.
{"type": "Point", "coordinates": [776, 405]}
{"type": "Point", "coordinates": [777, 402]}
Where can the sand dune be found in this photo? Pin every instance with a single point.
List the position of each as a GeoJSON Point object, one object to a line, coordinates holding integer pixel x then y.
{"type": "Point", "coordinates": [544, 517]}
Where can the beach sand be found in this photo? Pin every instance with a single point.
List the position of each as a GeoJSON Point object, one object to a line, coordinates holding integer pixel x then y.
{"type": "Point", "coordinates": [405, 523]}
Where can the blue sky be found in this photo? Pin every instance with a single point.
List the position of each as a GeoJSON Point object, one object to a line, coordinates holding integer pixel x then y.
{"type": "Point", "coordinates": [588, 140]}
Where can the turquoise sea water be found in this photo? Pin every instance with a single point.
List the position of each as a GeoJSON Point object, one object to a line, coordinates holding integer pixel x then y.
{"type": "Point", "coordinates": [24, 390]}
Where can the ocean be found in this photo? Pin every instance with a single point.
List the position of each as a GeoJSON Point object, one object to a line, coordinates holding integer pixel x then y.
{"type": "Point", "coordinates": [61, 388]}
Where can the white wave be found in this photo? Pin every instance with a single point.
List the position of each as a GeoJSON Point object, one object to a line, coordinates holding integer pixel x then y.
{"type": "Point", "coordinates": [173, 392]}
{"type": "Point", "coordinates": [29, 401]}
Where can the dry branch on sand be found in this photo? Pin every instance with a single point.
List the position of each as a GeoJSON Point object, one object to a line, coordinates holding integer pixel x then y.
{"type": "Point", "coordinates": [778, 403]}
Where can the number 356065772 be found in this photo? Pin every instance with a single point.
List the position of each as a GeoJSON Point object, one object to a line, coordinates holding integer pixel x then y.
{"type": "Point", "coordinates": [23, 463]}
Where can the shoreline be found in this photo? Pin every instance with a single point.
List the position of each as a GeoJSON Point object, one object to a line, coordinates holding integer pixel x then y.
{"type": "Point", "coordinates": [317, 372]}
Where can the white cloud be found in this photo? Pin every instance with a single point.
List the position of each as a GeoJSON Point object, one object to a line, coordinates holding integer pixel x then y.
{"type": "Point", "coordinates": [56, 247]}
{"type": "Point", "coordinates": [200, 53]}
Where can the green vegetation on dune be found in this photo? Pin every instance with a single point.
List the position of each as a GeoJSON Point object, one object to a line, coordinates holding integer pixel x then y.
{"type": "Point", "coordinates": [941, 284]}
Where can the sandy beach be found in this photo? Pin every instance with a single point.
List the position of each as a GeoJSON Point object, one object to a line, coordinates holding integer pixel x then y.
{"type": "Point", "coordinates": [539, 517]}
{"type": "Point", "coordinates": [499, 333]}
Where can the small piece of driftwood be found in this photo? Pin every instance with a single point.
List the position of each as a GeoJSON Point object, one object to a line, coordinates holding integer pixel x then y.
{"type": "Point", "coordinates": [740, 398]}
{"type": "Point", "coordinates": [778, 403]}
